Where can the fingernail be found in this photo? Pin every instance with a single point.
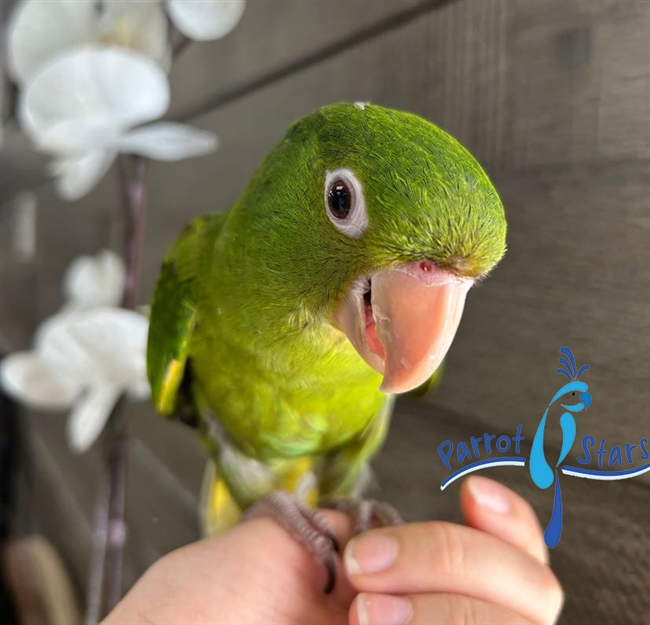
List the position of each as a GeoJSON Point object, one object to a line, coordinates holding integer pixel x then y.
{"type": "Point", "coordinates": [383, 610]}
{"type": "Point", "coordinates": [489, 494]}
{"type": "Point", "coordinates": [370, 554]}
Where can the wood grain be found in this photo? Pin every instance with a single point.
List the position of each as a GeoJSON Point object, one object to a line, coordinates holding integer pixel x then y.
{"type": "Point", "coordinates": [554, 99]}
{"type": "Point", "coordinates": [577, 273]}
{"type": "Point", "coordinates": [460, 66]}
{"type": "Point", "coordinates": [272, 38]}
{"type": "Point", "coordinates": [580, 81]}
{"type": "Point", "coordinates": [18, 277]}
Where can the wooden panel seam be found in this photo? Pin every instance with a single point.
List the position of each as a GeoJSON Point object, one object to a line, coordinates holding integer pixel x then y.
{"type": "Point", "coordinates": [383, 26]}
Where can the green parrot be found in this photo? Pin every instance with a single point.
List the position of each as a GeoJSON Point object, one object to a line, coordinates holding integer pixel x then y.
{"type": "Point", "coordinates": [283, 327]}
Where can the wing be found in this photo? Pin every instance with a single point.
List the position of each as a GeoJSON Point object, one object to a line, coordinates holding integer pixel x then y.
{"type": "Point", "coordinates": [174, 315]}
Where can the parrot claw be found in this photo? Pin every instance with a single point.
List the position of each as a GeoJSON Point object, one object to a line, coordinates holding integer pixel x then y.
{"type": "Point", "coordinates": [309, 526]}
{"type": "Point", "coordinates": [367, 513]}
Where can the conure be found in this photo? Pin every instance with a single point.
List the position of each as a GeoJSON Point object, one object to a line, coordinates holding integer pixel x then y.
{"type": "Point", "coordinates": [284, 326]}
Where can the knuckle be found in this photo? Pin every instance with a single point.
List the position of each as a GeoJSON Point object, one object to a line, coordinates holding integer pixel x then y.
{"type": "Point", "coordinates": [449, 549]}
{"type": "Point", "coordinates": [462, 611]}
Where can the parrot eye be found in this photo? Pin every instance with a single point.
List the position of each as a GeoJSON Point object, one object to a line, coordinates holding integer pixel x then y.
{"type": "Point", "coordinates": [344, 202]}
{"type": "Point", "coordinates": [339, 199]}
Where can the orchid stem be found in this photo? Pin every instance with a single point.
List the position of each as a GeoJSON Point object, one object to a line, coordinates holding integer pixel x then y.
{"type": "Point", "coordinates": [133, 171]}
{"type": "Point", "coordinates": [109, 536]}
{"type": "Point", "coordinates": [116, 535]}
{"type": "Point", "coordinates": [97, 565]}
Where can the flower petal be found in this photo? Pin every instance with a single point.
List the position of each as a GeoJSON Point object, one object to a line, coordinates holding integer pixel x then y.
{"type": "Point", "coordinates": [168, 141]}
{"type": "Point", "coordinates": [93, 281]}
{"type": "Point", "coordinates": [77, 175]}
{"type": "Point", "coordinates": [59, 349]}
{"type": "Point", "coordinates": [139, 389]}
{"type": "Point", "coordinates": [26, 378]}
{"type": "Point", "coordinates": [38, 31]}
{"type": "Point", "coordinates": [94, 91]}
{"type": "Point", "coordinates": [137, 25]}
{"type": "Point", "coordinates": [74, 137]}
{"type": "Point", "coordinates": [104, 346]}
{"type": "Point", "coordinates": [90, 415]}
{"type": "Point", "coordinates": [205, 19]}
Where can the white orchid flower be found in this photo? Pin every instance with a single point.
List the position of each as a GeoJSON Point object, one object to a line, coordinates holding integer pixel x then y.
{"type": "Point", "coordinates": [83, 360]}
{"type": "Point", "coordinates": [41, 30]}
{"type": "Point", "coordinates": [205, 19]}
{"type": "Point", "coordinates": [137, 25]}
{"type": "Point", "coordinates": [88, 79]}
{"type": "Point", "coordinates": [82, 106]}
{"type": "Point", "coordinates": [95, 281]}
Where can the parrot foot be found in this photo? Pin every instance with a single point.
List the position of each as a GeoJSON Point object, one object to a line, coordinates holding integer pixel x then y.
{"type": "Point", "coordinates": [309, 526]}
{"type": "Point", "coordinates": [367, 513]}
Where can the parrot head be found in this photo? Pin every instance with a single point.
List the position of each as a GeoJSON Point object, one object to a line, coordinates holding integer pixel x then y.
{"type": "Point", "coordinates": [377, 222]}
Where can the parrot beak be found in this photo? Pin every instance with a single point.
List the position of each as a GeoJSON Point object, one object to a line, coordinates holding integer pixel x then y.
{"type": "Point", "coordinates": [402, 321]}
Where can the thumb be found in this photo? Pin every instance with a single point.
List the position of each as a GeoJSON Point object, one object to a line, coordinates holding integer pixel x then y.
{"type": "Point", "coordinates": [492, 508]}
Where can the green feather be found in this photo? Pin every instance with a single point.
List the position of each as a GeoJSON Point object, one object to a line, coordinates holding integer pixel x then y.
{"type": "Point", "coordinates": [247, 297]}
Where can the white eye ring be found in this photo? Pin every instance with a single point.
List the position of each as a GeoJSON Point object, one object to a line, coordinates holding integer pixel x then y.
{"type": "Point", "coordinates": [356, 222]}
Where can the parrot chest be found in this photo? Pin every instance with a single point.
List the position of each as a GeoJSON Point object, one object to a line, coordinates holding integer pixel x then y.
{"type": "Point", "coordinates": [278, 404]}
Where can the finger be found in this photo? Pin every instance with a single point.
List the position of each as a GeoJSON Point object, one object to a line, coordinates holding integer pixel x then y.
{"type": "Point", "coordinates": [343, 525]}
{"type": "Point", "coordinates": [300, 561]}
{"type": "Point", "coordinates": [376, 609]}
{"type": "Point", "coordinates": [491, 507]}
{"type": "Point", "coordinates": [442, 557]}
{"type": "Point", "coordinates": [295, 554]}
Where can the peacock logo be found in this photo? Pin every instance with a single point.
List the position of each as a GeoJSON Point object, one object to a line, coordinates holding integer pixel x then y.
{"type": "Point", "coordinates": [618, 462]}
{"type": "Point", "coordinates": [578, 399]}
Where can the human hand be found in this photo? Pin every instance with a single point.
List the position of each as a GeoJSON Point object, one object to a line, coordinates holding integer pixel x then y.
{"type": "Point", "coordinates": [494, 571]}
{"type": "Point", "coordinates": [254, 574]}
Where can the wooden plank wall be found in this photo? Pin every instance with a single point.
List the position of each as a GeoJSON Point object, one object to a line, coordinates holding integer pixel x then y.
{"type": "Point", "coordinates": [554, 99]}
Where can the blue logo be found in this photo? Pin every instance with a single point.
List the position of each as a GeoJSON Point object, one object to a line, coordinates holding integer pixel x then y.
{"type": "Point", "coordinates": [574, 398]}
{"type": "Point", "coordinates": [541, 472]}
